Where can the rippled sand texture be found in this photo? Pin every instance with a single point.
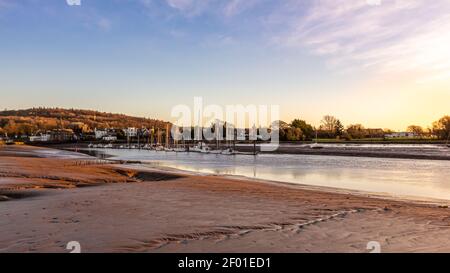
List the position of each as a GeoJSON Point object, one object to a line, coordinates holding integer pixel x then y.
{"type": "Point", "coordinates": [49, 200]}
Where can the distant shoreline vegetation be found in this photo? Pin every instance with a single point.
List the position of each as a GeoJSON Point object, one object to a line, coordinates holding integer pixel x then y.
{"type": "Point", "coordinates": [33, 121]}
{"type": "Point", "coordinates": [332, 129]}
{"type": "Point", "coordinates": [39, 120]}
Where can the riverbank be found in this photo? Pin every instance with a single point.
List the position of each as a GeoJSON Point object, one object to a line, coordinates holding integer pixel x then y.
{"type": "Point", "coordinates": [51, 197]}
{"type": "Point", "coordinates": [384, 150]}
{"type": "Point", "coordinates": [434, 151]}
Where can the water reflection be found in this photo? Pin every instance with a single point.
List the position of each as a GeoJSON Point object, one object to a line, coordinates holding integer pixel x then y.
{"type": "Point", "coordinates": [405, 177]}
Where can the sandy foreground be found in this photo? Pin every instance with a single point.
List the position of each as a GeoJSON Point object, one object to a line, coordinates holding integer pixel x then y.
{"type": "Point", "coordinates": [50, 197]}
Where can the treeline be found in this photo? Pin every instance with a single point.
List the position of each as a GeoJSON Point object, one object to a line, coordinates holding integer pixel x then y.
{"type": "Point", "coordinates": [31, 121]}
{"type": "Point", "coordinates": [439, 129]}
{"type": "Point", "coordinates": [332, 128]}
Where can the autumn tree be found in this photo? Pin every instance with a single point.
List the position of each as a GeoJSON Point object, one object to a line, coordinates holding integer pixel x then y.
{"type": "Point", "coordinates": [415, 129]}
{"type": "Point", "coordinates": [356, 131]}
{"type": "Point", "coordinates": [307, 129]}
{"type": "Point", "coordinates": [441, 128]}
{"type": "Point", "coordinates": [294, 134]}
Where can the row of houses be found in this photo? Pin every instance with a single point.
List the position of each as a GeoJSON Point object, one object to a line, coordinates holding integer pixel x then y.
{"type": "Point", "coordinates": [109, 134]}
{"type": "Point", "coordinates": [402, 135]}
{"type": "Point", "coordinates": [379, 133]}
{"type": "Point", "coordinates": [60, 135]}
{"type": "Point", "coordinates": [54, 135]}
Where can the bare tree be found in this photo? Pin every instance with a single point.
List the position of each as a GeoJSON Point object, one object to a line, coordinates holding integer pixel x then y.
{"type": "Point", "coordinates": [329, 124]}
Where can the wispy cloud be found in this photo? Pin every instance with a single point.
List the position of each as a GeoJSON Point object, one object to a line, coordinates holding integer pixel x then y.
{"type": "Point", "coordinates": [394, 36]}
{"type": "Point", "coordinates": [234, 7]}
{"type": "Point", "coordinates": [193, 8]}
{"type": "Point", "coordinates": [182, 4]}
{"type": "Point", "coordinates": [104, 24]}
{"type": "Point", "coordinates": [6, 4]}
{"type": "Point", "coordinates": [219, 40]}
{"type": "Point", "coordinates": [384, 36]}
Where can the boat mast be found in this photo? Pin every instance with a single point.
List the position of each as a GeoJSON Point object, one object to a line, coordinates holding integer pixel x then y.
{"type": "Point", "coordinates": [316, 135]}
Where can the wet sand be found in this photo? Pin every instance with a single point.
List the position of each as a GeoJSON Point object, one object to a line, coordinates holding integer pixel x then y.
{"type": "Point", "coordinates": [49, 197]}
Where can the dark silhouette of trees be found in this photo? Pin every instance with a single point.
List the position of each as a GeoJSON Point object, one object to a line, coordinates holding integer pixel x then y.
{"type": "Point", "coordinates": [356, 131]}
{"type": "Point", "coordinates": [339, 128]}
{"type": "Point", "coordinates": [329, 125]}
{"type": "Point", "coordinates": [441, 128]}
{"type": "Point", "coordinates": [307, 129]}
{"type": "Point", "coordinates": [415, 129]}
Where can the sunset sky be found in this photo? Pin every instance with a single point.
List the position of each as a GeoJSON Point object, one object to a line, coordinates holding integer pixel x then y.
{"type": "Point", "coordinates": [382, 63]}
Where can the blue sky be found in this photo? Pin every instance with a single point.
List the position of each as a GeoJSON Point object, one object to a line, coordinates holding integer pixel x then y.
{"type": "Point", "coordinates": [141, 57]}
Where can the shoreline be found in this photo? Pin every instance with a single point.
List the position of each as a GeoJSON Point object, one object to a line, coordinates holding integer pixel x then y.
{"type": "Point", "coordinates": [360, 152]}
{"type": "Point", "coordinates": [334, 185]}
{"type": "Point", "coordinates": [142, 166]}
{"type": "Point", "coordinates": [442, 154]}
{"type": "Point", "coordinates": [116, 208]}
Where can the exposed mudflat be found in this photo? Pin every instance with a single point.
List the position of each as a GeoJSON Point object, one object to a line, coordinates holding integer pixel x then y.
{"type": "Point", "coordinates": [48, 201]}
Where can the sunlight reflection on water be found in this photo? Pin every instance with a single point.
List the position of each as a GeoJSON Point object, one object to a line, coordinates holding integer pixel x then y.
{"type": "Point", "coordinates": [404, 177]}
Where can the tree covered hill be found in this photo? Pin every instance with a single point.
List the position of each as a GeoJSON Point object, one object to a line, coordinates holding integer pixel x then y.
{"type": "Point", "coordinates": [31, 121]}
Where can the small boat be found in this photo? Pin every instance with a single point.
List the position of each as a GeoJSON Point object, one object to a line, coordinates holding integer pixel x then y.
{"type": "Point", "coordinates": [315, 146]}
{"type": "Point", "coordinates": [159, 148]}
{"type": "Point", "coordinates": [228, 152]}
{"type": "Point", "coordinates": [195, 149]}
{"type": "Point", "coordinates": [147, 147]}
{"type": "Point", "coordinates": [9, 142]}
{"type": "Point", "coordinates": [201, 148]}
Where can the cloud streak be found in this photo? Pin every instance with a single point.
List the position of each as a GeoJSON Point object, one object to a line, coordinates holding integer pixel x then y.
{"type": "Point", "coordinates": [190, 8]}
{"type": "Point", "coordinates": [235, 7]}
{"type": "Point", "coordinates": [6, 4]}
{"type": "Point", "coordinates": [194, 8]}
{"type": "Point", "coordinates": [391, 37]}
{"type": "Point", "coordinates": [395, 36]}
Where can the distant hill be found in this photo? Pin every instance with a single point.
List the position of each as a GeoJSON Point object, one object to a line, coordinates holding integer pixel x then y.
{"type": "Point", "coordinates": [30, 121]}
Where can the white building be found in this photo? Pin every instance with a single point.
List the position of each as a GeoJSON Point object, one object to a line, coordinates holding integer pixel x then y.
{"type": "Point", "coordinates": [109, 138]}
{"type": "Point", "coordinates": [40, 138]}
{"type": "Point", "coordinates": [401, 135]}
{"type": "Point", "coordinates": [130, 132]}
{"type": "Point", "coordinates": [99, 134]}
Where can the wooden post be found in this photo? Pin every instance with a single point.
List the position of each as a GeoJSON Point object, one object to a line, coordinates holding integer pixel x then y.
{"type": "Point", "coordinates": [167, 135]}
{"type": "Point", "coordinates": [139, 145]}
{"type": "Point", "coordinates": [128, 138]}
{"type": "Point", "coordinates": [152, 138]}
